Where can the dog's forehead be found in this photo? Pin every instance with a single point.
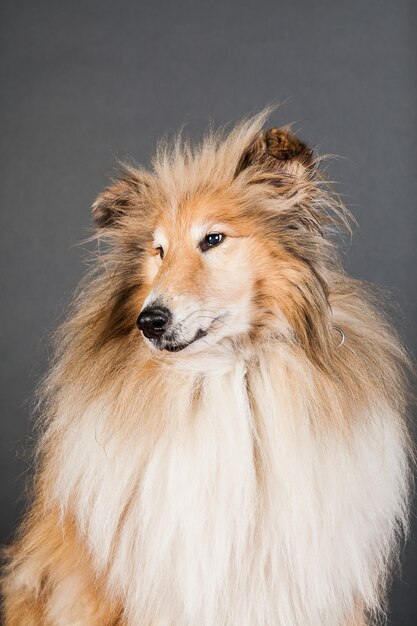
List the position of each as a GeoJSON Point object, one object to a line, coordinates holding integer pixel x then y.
{"type": "Point", "coordinates": [195, 215]}
{"type": "Point", "coordinates": [189, 219]}
{"type": "Point", "coordinates": [195, 229]}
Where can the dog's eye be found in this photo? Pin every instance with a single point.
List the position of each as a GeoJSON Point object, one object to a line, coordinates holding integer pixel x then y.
{"type": "Point", "coordinates": [211, 241]}
{"type": "Point", "coordinates": [160, 250]}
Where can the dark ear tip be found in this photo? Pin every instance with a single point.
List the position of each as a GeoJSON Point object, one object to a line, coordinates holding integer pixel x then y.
{"type": "Point", "coordinates": [101, 211]}
{"type": "Point", "coordinates": [284, 146]}
{"type": "Point", "coordinates": [102, 217]}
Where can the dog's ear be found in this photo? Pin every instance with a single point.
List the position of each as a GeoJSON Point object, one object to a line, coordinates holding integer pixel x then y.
{"type": "Point", "coordinates": [120, 198]}
{"type": "Point", "coordinates": [279, 155]}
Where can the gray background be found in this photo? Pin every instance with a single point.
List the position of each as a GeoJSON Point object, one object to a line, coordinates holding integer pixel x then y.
{"type": "Point", "coordinates": [86, 83]}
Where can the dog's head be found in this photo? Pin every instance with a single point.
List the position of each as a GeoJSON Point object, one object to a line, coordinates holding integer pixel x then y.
{"type": "Point", "coordinates": [222, 241]}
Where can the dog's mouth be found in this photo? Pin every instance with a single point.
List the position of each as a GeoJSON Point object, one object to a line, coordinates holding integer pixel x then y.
{"type": "Point", "coordinates": [172, 343]}
{"type": "Point", "coordinates": [172, 346]}
{"type": "Point", "coordinates": [172, 339]}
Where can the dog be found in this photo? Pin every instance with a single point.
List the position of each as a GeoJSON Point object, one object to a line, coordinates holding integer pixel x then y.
{"type": "Point", "coordinates": [224, 436]}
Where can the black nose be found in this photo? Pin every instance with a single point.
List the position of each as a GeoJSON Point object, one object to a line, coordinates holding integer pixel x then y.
{"type": "Point", "coordinates": [153, 321]}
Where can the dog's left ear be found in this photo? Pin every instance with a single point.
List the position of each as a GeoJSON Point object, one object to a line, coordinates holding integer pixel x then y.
{"type": "Point", "coordinates": [124, 196]}
{"type": "Point", "coordinates": [279, 155]}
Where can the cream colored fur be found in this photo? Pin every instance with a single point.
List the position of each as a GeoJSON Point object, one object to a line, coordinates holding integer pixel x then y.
{"type": "Point", "coordinates": [235, 514]}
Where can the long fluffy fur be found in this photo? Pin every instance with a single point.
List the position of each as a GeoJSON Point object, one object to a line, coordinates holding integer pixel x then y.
{"type": "Point", "coordinates": [262, 480]}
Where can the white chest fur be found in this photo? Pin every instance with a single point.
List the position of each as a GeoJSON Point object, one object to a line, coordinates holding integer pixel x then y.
{"type": "Point", "coordinates": [227, 511]}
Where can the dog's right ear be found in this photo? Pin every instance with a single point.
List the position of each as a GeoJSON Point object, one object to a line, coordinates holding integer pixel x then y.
{"type": "Point", "coordinates": [279, 152]}
{"type": "Point", "coordinates": [121, 198]}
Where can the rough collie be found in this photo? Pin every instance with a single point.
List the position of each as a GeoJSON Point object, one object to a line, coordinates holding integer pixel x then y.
{"type": "Point", "coordinates": [224, 439]}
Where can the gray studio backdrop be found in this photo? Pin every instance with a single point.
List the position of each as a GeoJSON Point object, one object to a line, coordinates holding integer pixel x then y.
{"type": "Point", "coordinates": [83, 84]}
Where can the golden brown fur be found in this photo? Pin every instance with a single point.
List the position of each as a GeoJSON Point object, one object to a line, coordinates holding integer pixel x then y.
{"type": "Point", "coordinates": [280, 265]}
{"type": "Point", "coordinates": [47, 555]}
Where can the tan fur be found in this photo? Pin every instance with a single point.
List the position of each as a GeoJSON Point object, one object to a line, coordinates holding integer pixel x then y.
{"type": "Point", "coordinates": [215, 485]}
{"type": "Point", "coordinates": [50, 562]}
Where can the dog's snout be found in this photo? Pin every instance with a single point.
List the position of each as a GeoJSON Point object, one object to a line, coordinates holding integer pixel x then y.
{"type": "Point", "coordinates": [154, 321]}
